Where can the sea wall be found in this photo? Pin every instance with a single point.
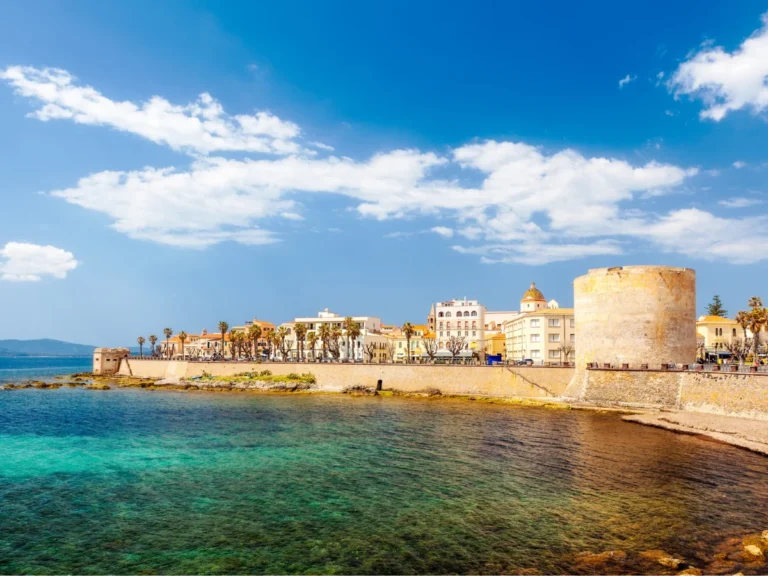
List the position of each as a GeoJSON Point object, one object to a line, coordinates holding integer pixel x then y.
{"type": "Point", "coordinates": [493, 381]}
{"type": "Point", "coordinates": [733, 394]}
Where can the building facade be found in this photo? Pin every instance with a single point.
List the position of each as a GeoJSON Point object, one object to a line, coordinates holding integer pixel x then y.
{"type": "Point", "coordinates": [398, 341]}
{"type": "Point", "coordinates": [462, 319]}
{"type": "Point", "coordinates": [542, 333]}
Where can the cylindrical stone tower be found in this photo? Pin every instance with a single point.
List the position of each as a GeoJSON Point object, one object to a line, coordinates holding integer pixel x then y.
{"type": "Point", "coordinates": [635, 315]}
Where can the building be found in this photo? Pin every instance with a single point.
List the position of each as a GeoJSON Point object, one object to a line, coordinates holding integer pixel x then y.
{"type": "Point", "coordinates": [718, 332]}
{"type": "Point", "coordinates": [463, 319]}
{"type": "Point", "coordinates": [398, 341]}
{"type": "Point", "coordinates": [542, 332]}
{"type": "Point", "coordinates": [371, 337]}
{"type": "Point", "coordinates": [496, 347]}
{"type": "Point", "coordinates": [494, 322]}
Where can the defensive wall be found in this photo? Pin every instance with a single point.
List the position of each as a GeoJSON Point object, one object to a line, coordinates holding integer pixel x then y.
{"type": "Point", "coordinates": [495, 381]}
{"type": "Point", "coordinates": [740, 394]}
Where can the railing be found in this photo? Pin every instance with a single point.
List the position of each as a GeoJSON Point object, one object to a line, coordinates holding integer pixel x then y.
{"type": "Point", "coordinates": [696, 367]}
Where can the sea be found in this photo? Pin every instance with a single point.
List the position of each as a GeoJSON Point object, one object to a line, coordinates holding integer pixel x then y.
{"type": "Point", "coordinates": [19, 368]}
{"type": "Point", "coordinates": [132, 481]}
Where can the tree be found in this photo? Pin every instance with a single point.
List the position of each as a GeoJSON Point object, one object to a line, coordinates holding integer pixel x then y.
{"type": "Point", "coordinates": [354, 333]}
{"type": "Point", "coordinates": [168, 333]}
{"type": "Point", "coordinates": [742, 318]}
{"type": "Point", "coordinates": [408, 331]}
{"type": "Point", "coordinates": [334, 342]}
{"type": "Point", "coordinates": [152, 342]}
{"type": "Point", "coordinates": [301, 334]}
{"type": "Point", "coordinates": [254, 335]}
{"type": "Point", "coordinates": [223, 328]}
{"type": "Point", "coordinates": [755, 302]}
{"type": "Point", "coordinates": [182, 338]}
{"type": "Point", "coordinates": [324, 332]}
{"type": "Point", "coordinates": [347, 325]}
{"type": "Point", "coordinates": [312, 339]}
{"type": "Point", "coordinates": [757, 319]}
{"type": "Point", "coordinates": [455, 345]}
{"type": "Point", "coordinates": [429, 341]}
{"type": "Point", "coordinates": [141, 341]}
{"type": "Point", "coordinates": [280, 336]}
{"type": "Point", "coordinates": [739, 348]}
{"type": "Point", "coordinates": [715, 308]}
{"type": "Point", "coordinates": [390, 349]}
{"type": "Point", "coordinates": [369, 350]}
{"type": "Point", "coordinates": [565, 351]}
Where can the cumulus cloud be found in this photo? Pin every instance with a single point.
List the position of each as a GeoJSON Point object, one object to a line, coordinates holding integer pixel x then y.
{"type": "Point", "coordinates": [726, 81]}
{"type": "Point", "coordinates": [739, 164]}
{"type": "Point", "coordinates": [23, 262]}
{"type": "Point", "coordinates": [201, 126]}
{"type": "Point", "coordinates": [507, 201]}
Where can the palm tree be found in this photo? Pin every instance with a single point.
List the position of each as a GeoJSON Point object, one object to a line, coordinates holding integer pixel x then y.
{"type": "Point", "coordinates": [324, 332]}
{"type": "Point", "coordinates": [274, 341]}
{"type": "Point", "coordinates": [183, 338]}
{"type": "Point", "coordinates": [742, 318]}
{"type": "Point", "coordinates": [354, 333]}
{"type": "Point", "coordinates": [312, 339]}
{"type": "Point", "coordinates": [223, 328]}
{"type": "Point", "coordinates": [757, 319]}
{"type": "Point", "coordinates": [254, 334]}
{"type": "Point", "coordinates": [755, 302]}
{"type": "Point", "coordinates": [152, 342]}
{"type": "Point", "coordinates": [347, 325]}
{"type": "Point", "coordinates": [168, 333]}
{"type": "Point", "coordinates": [335, 341]}
{"type": "Point", "coordinates": [141, 341]}
{"type": "Point", "coordinates": [301, 334]}
{"type": "Point", "coordinates": [280, 336]}
{"type": "Point", "coordinates": [408, 331]}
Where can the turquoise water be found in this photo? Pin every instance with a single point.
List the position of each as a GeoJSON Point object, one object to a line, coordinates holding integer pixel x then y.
{"type": "Point", "coordinates": [132, 481]}
{"type": "Point", "coordinates": [17, 368]}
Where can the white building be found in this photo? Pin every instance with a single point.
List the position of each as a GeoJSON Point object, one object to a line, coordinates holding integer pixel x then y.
{"type": "Point", "coordinates": [370, 334]}
{"type": "Point", "coordinates": [461, 319]}
{"type": "Point", "coordinates": [542, 332]}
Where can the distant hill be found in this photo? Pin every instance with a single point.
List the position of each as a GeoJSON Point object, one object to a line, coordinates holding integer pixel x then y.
{"type": "Point", "coordinates": [43, 347]}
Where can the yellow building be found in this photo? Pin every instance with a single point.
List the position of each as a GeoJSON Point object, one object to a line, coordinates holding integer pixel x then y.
{"type": "Point", "coordinates": [397, 339]}
{"type": "Point", "coordinates": [542, 333]}
{"type": "Point", "coordinates": [495, 345]}
{"type": "Point", "coordinates": [718, 331]}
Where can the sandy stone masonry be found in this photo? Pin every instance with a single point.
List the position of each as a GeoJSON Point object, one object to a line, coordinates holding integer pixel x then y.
{"type": "Point", "coordinates": [107, 360]}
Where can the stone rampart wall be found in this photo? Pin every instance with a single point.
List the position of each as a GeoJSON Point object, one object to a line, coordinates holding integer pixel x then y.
{"type": "Point", "coordinates": [733, 394]}
{"type": "Point", "coordinates": [461, 380]}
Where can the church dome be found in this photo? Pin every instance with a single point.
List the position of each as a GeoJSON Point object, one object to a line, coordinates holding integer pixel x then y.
{"type": "Point", "coordinates": [533, 293]}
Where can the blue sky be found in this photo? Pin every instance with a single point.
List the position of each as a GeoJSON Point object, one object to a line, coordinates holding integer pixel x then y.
{"type": "Point", "coordinates": [182, 163]}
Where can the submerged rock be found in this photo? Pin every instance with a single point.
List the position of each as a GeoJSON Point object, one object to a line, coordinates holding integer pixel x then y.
{"type": "Point", "coordinates": [692, 572]}
{"type": "Point", "coordinates": [97, 386]}
{"type": "Point", "coordinates": [611, 561]}
{"type": "Point", "coordinates": [663, 559]}
{"type": "Point", "coordinates": [753, 552]}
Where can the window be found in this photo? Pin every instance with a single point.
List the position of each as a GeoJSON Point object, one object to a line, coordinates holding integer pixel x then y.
{"type": "Point", "coordinates": [466, 333]}
{"type": "Point", "coordinates": [554, 337]}
{"type": "Point", "coordinates": [399, 344]}
{"type": "Point", "coordinates": [448, 325]}
{"type": "Point", "coordinates": [466, 314]}
{"type": "Point", "coordinates": [474, 333]}
{"type": "Point", "coordinates": [441, 325]}
{"type": "Point", "coordinates": [447, 314]}
{"type": "Point", "coordinates": [554, 322]}
{"type": "Point", "coordinates": [535, 354]}
{"type": "Point", "coordinates": [474, 313]}
{"type": "Point", "coordinates": [441, 334]}
{"type": "Point", "coordinates": [466, 323]}
{"type": "Point", "coordinates": [534, 323]}
{"type": "Point", "coordinates": [573, 323]}
{"type": "Point", "coordinates": [439, 314]}
{"type": "Point", "coordinates": [554, 353]}
{"type": "Point", "coordinates": [474, 324]}
{"type": "Point", "coordinates": [573, 337]}
{"type": "Point", "coordinates": [734, 332]}
{"type": "Point", "coordinates": [535, 337]}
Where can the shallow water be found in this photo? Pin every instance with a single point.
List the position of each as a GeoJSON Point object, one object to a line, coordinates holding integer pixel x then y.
{"type": "Point", "coordinates": [132, 481]}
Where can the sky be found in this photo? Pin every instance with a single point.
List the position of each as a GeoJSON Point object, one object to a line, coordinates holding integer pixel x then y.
{"type": "Point", "coordinates": [175, 164]}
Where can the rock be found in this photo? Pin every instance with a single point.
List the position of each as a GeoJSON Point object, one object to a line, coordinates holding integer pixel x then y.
{"type": "Point", "coordinates": [764, 536]}
{"type": "Point", "coordinates": [664, 559]}
{"type": "Point", "coordinates": [97, 386]}
{"type": "Point", "coordinates": [609, 561]}
{"type": "Point", "coordinates": [173, 381]}
{"type": "Point", "coordinates": [753, 552]}
{"type": "Point", "coordinates": [692, 572]}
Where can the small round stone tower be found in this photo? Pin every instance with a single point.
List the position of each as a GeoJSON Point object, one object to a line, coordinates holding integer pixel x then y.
{"type": "Point", "coordinates": [635, 315]}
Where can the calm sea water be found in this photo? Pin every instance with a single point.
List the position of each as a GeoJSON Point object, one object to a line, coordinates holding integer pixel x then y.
{"type": "Point", "coordinates": [133, 481]}
{"type": "Point", "coordinates": [22, 368]}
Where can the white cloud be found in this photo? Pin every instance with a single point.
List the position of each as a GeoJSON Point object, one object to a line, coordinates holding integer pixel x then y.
{"type": "Point", "coordinates": [322, 146]}
{"type": "Point", "coordinates": [626, 80]}
{"type": "Point", "coordinates": [670, 113]}
{"type": "Point", "coordinates": [443, 231]}
{"type": "Point", "coordinates": [727, 81]}
{"type": "Point", "coordinates": [202, 126]}
{"type": "Point", "coordinates": [23, 262]}
{"type": "Point", "coordinates": [739, 164]}
{"type": "Point", "coordinates": [739, 202]}
{"type": "Point", "coordinates": [508, 201]}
